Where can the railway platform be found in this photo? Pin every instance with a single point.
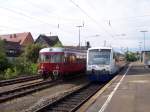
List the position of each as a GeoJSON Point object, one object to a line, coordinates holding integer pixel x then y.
{"type": "Point", "coordinates": [127, 92]}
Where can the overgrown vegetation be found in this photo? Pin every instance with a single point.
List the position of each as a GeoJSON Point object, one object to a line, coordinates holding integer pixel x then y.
{"type": "Point", "coordinates": [3, 60]}
{"type": "Point", "coordinates": [31, 53]}
{"type": "Point", "coordinates": [130, 56]}
{"type": "Point", "coordinates": [26, 64]}
{"type": "Point", "coordinates": [58, 44]}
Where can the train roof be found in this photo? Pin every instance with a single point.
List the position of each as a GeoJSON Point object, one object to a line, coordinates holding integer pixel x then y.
{"type": "Point", "coordinates": [100, 48]}
{"type": "Point", "coordinates": [52, 49]}
{"type": "Point", "coordinates": [59, 49]}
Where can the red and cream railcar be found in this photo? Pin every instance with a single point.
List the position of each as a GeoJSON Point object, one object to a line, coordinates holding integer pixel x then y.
{"type": "Point", "coordinates": [57, 62]}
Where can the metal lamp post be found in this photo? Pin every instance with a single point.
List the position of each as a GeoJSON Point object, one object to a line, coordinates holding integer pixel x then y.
{"type": "Point", "coordinates": [144, 31]}
{"type": "Point", "coordinates": [79, 34]}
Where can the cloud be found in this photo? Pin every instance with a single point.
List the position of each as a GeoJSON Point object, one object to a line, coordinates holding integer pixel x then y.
{"type": "Point", "coordinates": [127, 17]}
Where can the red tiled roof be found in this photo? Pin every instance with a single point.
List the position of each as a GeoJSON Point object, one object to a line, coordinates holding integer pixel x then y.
{"type": "Point", "coordinates": [17, 37]}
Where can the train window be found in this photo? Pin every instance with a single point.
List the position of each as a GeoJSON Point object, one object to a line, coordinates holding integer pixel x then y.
{"type": "Point", "coordinates": [72, 59]}
{"type": "Point", "coordinates": [53, 58]}
{"type": "Point", "coordinates": [65, 59]}
{"type": "Point", "coordinates": [44, 58]}
{"type": "Point", "coordinates": [47, 58]}
{"type": "Point", "coordinates": [99, 57]}
{"type": "Point", "coordinates": [114, 55]}
{"type": "Point", "coordinates": [56, 58]}
{"type": "Point", "coordinates": [41, 58]}
{"type": "Point", "coordinates": [81, 59]}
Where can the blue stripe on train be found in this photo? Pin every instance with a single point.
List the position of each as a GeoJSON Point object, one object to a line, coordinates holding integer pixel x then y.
{"type": "Point", "coordinates": [99, 77]}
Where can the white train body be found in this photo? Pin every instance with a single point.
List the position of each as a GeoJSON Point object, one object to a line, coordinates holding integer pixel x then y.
{"type": "Point", "coordinates": [146, 58]}
{"type": "Point", "coordinates": [102, 63]}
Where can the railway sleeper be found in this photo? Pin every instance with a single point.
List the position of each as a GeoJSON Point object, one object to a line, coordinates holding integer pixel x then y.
{"type": "Point", "coordinates": [73, 100]}
{"type": "Point", "coordinates": [66, 105]}
{"type": "Point", "coordinates": [57, 110]}
{"type": "Point", "coordinates": [83, 94]}
{"type": "Point", "coordinates": [19, 93]}
{"type": "Point", "coordinates": [63, 108]}
{"type": "Point", "coordinates": [70, 98]}
{"type": "Point", "coordinates": [78, 97]}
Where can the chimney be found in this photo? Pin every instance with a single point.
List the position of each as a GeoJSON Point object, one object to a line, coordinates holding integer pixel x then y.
{"type": "Point", "coordinates": [88, 44]}
{"type": "Point", "coordinates": [10, 36]}
{"type": "Point", "coordinates": [15, 36]}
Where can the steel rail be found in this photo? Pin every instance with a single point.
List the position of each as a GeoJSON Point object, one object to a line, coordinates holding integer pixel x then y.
{"type": "Point", "coordinates": [18, 80]}
{"type": "Point", "coordinates": [27, 89]}
{"type": "Point", "coordinates": [73, 100]}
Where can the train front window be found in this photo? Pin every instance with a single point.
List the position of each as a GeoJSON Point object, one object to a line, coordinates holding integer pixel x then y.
{"type": "Point", "coordinates": [44, 58]}
{"type": "Point", "coordinates": [52, 58]}
{"type": "Point", "coordinates": [56, 58]}
{"type": "Point", "coordinates": [99, 57]}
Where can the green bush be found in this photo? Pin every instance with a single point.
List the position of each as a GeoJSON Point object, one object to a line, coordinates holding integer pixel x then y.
{"type": "Point", "coordinates": [16, 71]}
{"type": "Point", "coordinates": [8, 73]}
{"type": "Point", "coordinates": [11, 73]}
{"type": "Point", "coordinates": [31, 52]}
{"type": "Point", "coordinates": [33, 69]}
{"type": "Point", "coordinates": [3, 60]}
{"type": "Point", "coordinates": [2, 76]}
{"type": "Point", "coordinates": [24, 67]}
{"type": "Point", "coordinates": [131, 57]}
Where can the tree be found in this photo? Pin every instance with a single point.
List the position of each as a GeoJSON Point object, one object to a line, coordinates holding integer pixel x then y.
{"type": "Point", "coordinates": [3, 59]}
{"type": "Point", "coordinates": [31, 52]}
{"type": "Point", "coordinates": [58, 44]}
{"type": "Point", "coordinates": [130, 56]}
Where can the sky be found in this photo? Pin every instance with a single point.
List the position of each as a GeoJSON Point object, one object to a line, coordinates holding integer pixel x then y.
{"type": "Point", "coordinates": [117, 22]}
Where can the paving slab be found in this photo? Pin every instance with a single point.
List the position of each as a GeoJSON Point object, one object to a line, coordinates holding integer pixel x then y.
{"type": "Point", "coordinates": [129, 92]}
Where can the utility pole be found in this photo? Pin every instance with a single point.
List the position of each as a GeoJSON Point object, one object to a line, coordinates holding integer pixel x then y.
{"type": "Point", "coordinates": [79, 34]}
{"type": "Point", "coordinates": [104, 43]}
{"type": "Point", "coordinates": [140, 51]}
{"type": "Point", "coordinates": [144, 31]}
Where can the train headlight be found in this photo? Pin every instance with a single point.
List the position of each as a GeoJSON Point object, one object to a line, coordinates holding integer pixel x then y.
{"type": "Point", "coordinates": [42, 67]}
{"type": "Point", "coordinates": [104, 70]}
{"type": "Point", "coordinates": [89, 68]}
{"type": "Point", "coordinates": [57, 67]}
{"type": "Point", "coordinates": [107, 68]}
{"type": "Point", "coordinates": [55, 72]}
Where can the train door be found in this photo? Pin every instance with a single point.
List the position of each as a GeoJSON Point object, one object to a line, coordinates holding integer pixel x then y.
{"type": "Point", "coordinates": [69, 63]}
{"type": "Point", "coordinates": [113, 62]}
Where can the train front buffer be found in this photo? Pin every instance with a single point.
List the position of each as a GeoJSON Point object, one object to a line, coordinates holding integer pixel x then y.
{"type": "Point", "coordinates": [98, 74]}
{"type": "Point", "coordinates": [43, 71]}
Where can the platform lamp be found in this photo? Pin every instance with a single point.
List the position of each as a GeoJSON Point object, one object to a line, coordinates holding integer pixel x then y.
{"type": "Point", "coordinates": [144, 31]}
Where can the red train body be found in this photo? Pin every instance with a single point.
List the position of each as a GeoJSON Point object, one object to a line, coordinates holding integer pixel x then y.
{"type": "Point", "coordinates": [61, 62]}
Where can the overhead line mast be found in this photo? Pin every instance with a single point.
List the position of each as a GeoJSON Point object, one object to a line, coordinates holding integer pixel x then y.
{"type": "Point", "coordinates": [91, 18]}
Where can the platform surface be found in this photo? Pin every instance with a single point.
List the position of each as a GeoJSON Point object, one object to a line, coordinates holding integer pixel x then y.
{"type": "Point", "coordinates": [129, 92]}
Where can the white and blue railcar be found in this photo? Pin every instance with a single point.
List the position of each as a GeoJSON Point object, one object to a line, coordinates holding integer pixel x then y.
{"type": "Point", "coordinates": [101, 64]}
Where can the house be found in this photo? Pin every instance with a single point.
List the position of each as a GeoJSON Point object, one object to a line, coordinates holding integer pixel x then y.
{"type": "Point", "coordinates": [48, 41]}
{"type": "Point", "coordinates": [14, 43]}
{"type": "Point", "coordinates": [13, 49]}
{"type": "Point", "coordinates": [23, 39]}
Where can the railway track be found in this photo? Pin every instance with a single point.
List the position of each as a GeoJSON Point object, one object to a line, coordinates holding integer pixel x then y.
{"type": "Point", "coordinates": [73, 100]}
{"type": "Point", "coordinates": [18, 80]}
{"type": "Point", "coordinates": [26, 89]}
